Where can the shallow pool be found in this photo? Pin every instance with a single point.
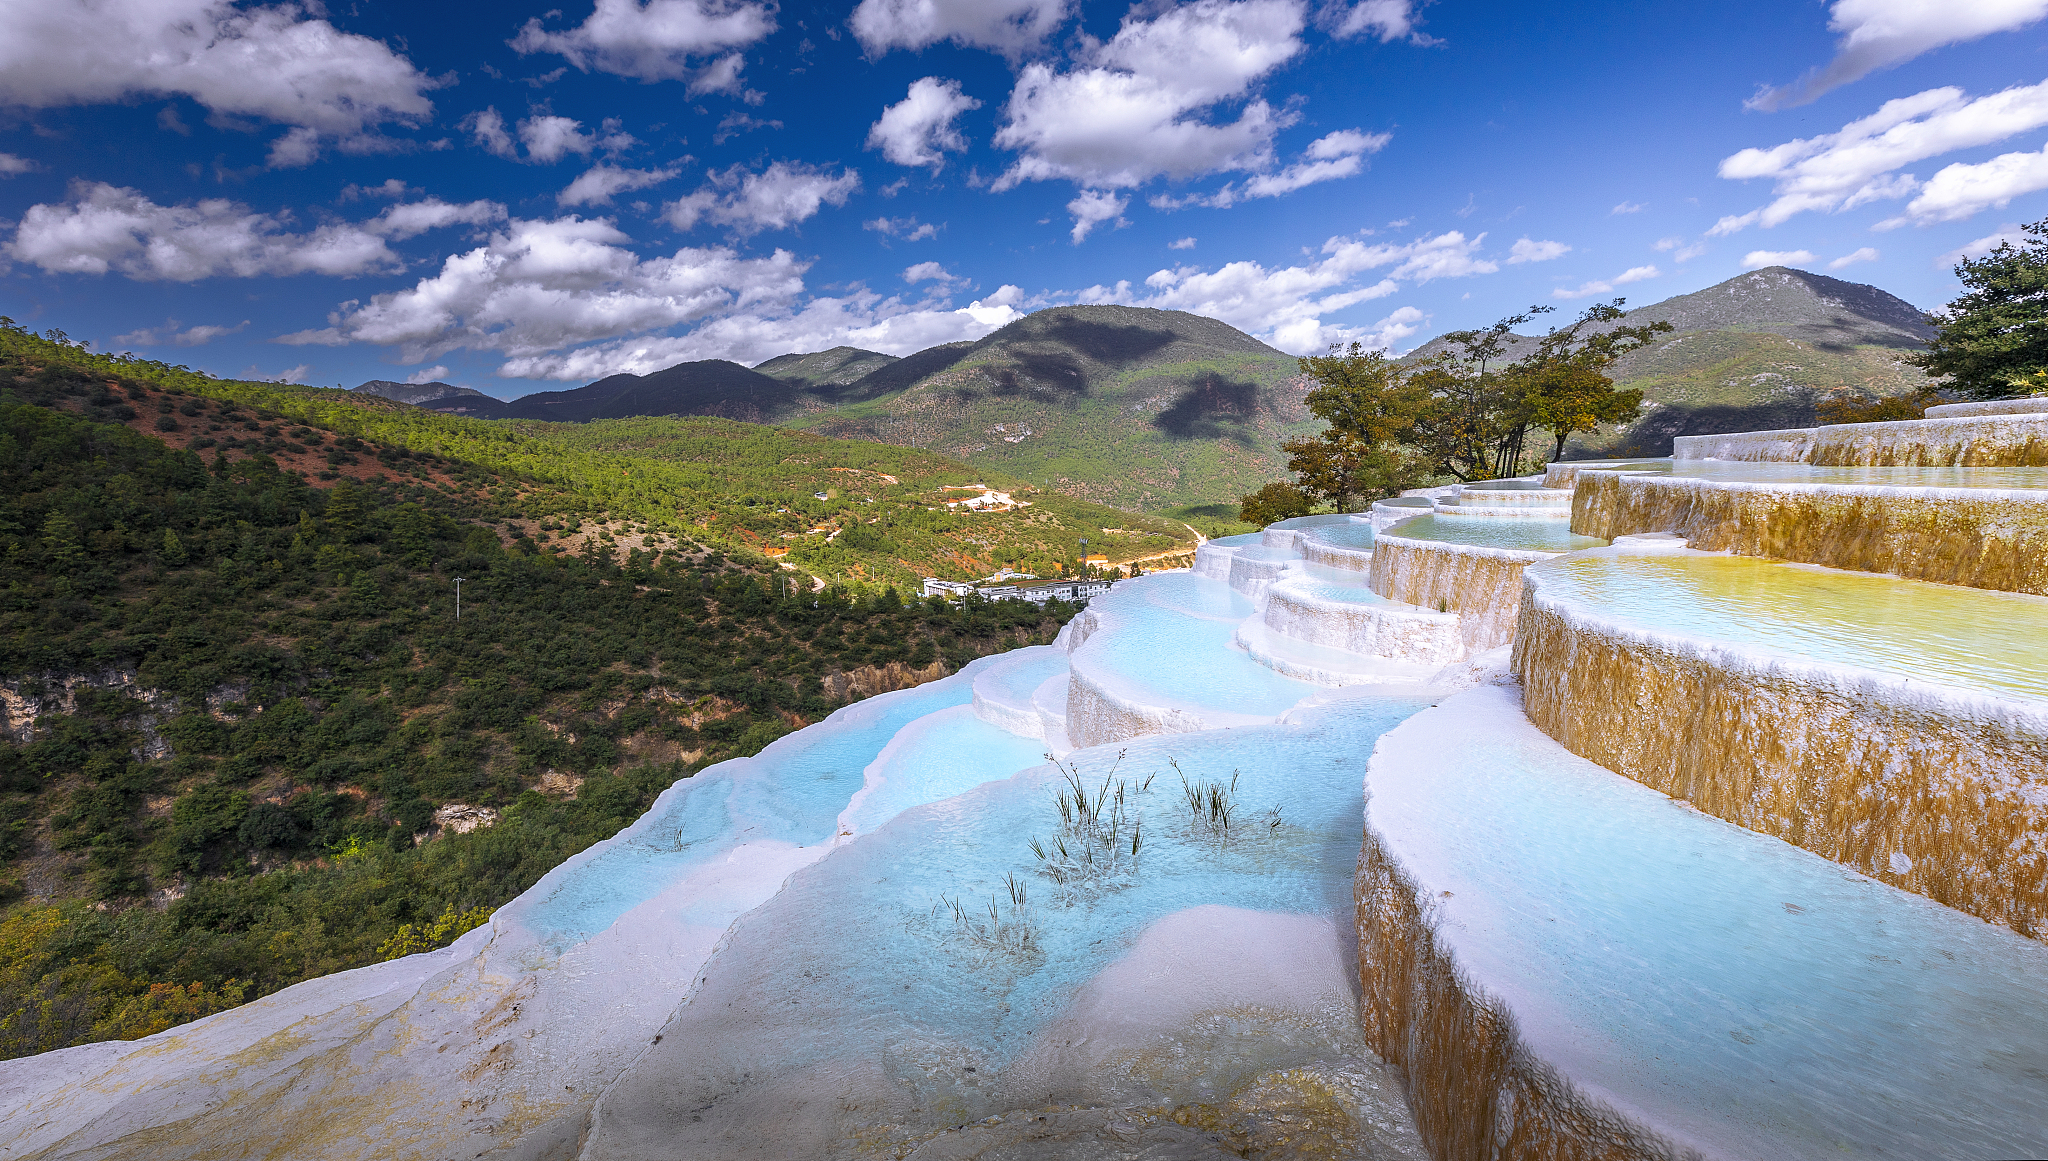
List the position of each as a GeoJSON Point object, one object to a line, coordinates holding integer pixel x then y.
{"type": "Point", "coordinates": [1487, 532]}
{"type": "Point", "coordinates": [1945, 634]}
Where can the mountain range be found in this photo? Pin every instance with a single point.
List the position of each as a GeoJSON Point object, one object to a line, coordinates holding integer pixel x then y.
{"type": "Point", "coordinates": [1170, 411]}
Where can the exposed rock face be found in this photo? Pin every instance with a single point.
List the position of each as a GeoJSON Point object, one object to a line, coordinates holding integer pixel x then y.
{"type": "Point", "coordinates": [417, 393]}
{"type": "Point", "coordinates": [1974, 441]}
{"type": "Point", "coordinates": [869, 680]}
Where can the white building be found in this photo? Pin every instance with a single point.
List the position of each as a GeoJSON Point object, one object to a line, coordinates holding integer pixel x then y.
{"type": "Point", "coordinates": [934, 587]}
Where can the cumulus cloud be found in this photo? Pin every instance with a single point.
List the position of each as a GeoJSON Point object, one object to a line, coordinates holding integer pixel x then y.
{"type": "Point", "coordinates": [657, 40]}
{"type": "Point", "coordinates": [600, 183]}
{"type": "Point", "coordinates": [1011, 27]}
{"type": "Point", "coordinates": [280, 64]}
{"type": "Point", "coordinates": [549, 139]}
{"type": "Point", "coordinates": [1525, 250]}
{"type": "Point", "coordinates": [1758, 259]}
{"type": "Point", "coordinates": [929, 271]}
{"type": "Point", "coordinates": [863, 319]}
{"type": "Point", "coordinates": [909, 229]}
{"type": "Point", "coordinates": [536, 287]}
{"type": "Point", "coordinates": [1960, 191]}
{"type": "Point", "coordinates": [781, 196]}
{"type": "Point", "coordinates": [1092, 207]}
{"type": "Point", "coordinates": [433, 374]}
{"type": "Point", "coordinates": [1337, 155]}
{"type": "Point", "coordinates": [1629, 208]}
{"type": "Point", "coordinates": [1132, 109]}
{"type": "Point", "coordinates": [1389, 20]}
{"type": "Point", "coordinates": [168, 335]}
{"type": "Point", "coordinates": [1863, 254]}
{"type": "Point", "coordinates": [10, 165]}
{"type": "Point", "coordinates": [918, 130]}
{"type": "Point", "coordinates": [1859, 163]}
{"type": "Point", "coordinates": [103, 228]}
{"type": "Point", "coordinates": [2009, 234]}
{"type": "Point", "coordinates": [1678, 248]}
{"type": "Point", "coordinates": [1877, 34]}
{"type": "Point", "coordinates": [1285, 306]}
{"type": "Point", "coordinates": [1181, 244]}
{"type": "Point", "coordinates": [1606, 285]}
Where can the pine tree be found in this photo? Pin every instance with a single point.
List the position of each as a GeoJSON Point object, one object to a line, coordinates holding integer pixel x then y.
{"type": "Point", "coordinates": [173, 550]}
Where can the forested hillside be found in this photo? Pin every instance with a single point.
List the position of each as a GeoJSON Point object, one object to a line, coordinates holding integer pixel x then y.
{"type": "Point", "coordinates": [247, 740]}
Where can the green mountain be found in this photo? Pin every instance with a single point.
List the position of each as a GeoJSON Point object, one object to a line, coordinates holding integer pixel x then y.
{"type": "Point", "coordinates": [1759, 351]}
{"type": "Point", "coordinates": [1144, 409]}
{"type": "Point", "coordinates": [418, 392]}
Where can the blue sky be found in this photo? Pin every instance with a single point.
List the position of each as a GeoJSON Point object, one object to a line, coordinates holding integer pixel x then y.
{"type": "Point", "coordinates": [511, 198]}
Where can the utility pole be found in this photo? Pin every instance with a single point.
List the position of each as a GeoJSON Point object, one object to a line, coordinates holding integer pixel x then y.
{"type": "Point", "coordinates": [458, 598]}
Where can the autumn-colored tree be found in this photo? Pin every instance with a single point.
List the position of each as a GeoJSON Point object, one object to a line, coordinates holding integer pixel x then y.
{"type": "Point", "coordinates": [1273, 503]}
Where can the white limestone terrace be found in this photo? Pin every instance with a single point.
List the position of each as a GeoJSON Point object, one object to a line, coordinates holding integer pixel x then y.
{"type": "Point", "coordinates": [1660, 983]}
{"type": "Point", "coordinates": [2032, 404]}
{"type": "Point", "coordinates": [1973, 439]}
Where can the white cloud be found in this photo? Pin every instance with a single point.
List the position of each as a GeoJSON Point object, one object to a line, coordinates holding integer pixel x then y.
{"type": "Point", "coordinates": [1757, 259]}
{"type": "Point", "coordinates": [778, 197]}
{"type": "Point", "coordinates": [1607, 285]}
{"type": "Point", "coordinates": [1181, 244]}
{"type": "Point", "coordinates": [103, 227]}
{"type": "Point", "coordinates": [1960, 191]}
{"type": "Point", "coordinates": [1845, 169]}
{"type": "Point", "coordinates": [1629, 208]}
{"type": "Point", "coordinates": [1285, 306]}
{"type": "Point", "coordinates": [538, 286]}
{"type": "Point", "coordinates": [1130, 112]}
{"type": "Point", "coordinates": [1864, 254]}
{"type": "Point", "coordinates": [1011, 27]}
{"type": "Point", "coordinates": [600, 183]}
{"type": "Point", "coordinates": [487, 128]}
{"type": "Point", "coordinates": [864, 320]}
{"type": "Point", "coordinates": [1336, 155]}
{"type": "Point", "coordinates": [296, 374]}
{"type": "Point", "coordinates": [168, 335]}
{"type": "Point", "coordinates": [655, 41]}
{"type": "Point", "coordinates": [2009, 234]}
{"type": "Point", "coordinates": [10, 165]}
{"type": "Point", "coordinates": [548, 139]}
{"type": "Point", "coordinates": [1877, 34]}
{"type": "Point", "coordinates": [433, 374]}
{"type": "Point", "coordinates": [411, 219]}
{"type": "Point", "coordinates": [909, 229]}
{"type": "Point", "coordinates": [918, 130]}
{"type": "Point", "coordinates": [1390, 20]}
{"type": "Point", "coordinates": [272, 63]}
{"type": "Point", "coordinates": [931, 271]}
{"type": "Point", "coordinates": [1525, 250]}
{"type": "Point", "coordinates": [1092, 207]}
{"type": "Point", "coordinates": [1688, 253]}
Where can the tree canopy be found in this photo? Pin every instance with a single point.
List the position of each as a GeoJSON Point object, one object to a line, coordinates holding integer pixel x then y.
{"type": "Point", "coordinates": [1992, 342]}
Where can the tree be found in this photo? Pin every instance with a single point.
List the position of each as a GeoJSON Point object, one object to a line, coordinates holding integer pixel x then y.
{"type": "Point", "coordinates": [1273, 503]}
{"type": "Point", "coordinates": [1567, 388]}
{"type": "Point", "coordinates": [1992, 343]}
{"type": "Point", "coordinates": [1370, 406]}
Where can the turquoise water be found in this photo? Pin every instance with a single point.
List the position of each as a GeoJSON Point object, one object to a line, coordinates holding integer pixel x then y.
{"type": "Point", "coordinates": [1516, 533]}
{"type": "Point", "coordinates": [1301, 522]}
{"type": "Point", "coordinates": [1164, 656]}
{"type": "Point", "coordinates": [1015, 675]}
{"type": "Point", "coordinates": [791, 792]}
{"type": "Point", "coordinates": [1505, 486]}
{"type": "Point", "coordinates": [936, 757]}
{"type": "Point", "coordinates": [858, 964]}
{"type": "Point", "coordinates": [1719, 981]}
{"type": "Point", "coordinates": [1323, 587]}
{"type": "Point", "coordinates": [1196, 595]}
{"type": "Point", "coordinates": [1241, 540]}
{"type": "Point", "coordinates": [1353, 534]}
{"type": "Point", "coordinates": [1944, 634]}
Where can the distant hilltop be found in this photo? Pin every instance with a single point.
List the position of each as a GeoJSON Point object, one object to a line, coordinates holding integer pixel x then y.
{"type": "Point", "coordinates": [419, 393]}
{"type": "Point", "coordinates": [1156, 409]}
